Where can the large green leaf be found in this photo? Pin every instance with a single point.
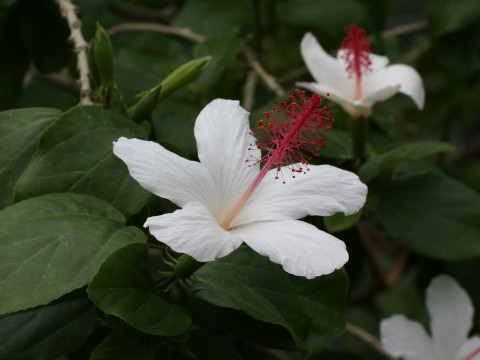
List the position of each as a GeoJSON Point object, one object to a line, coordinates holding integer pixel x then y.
{"type": "Point", "coordinates": [432, 215]}
{"type": "Point", "coordinates": [53, 244]}
{"type": "Point", "coordinates": [445, 16]}
{"type": "Point", "coordinates": [46, 332]}
{"type": "Point", "coordinates": [325, 298]}
{"type": "Point", "coordinates": [400, 154]}
{"type": "Point", "coordinates": [75, 155]}
{"type": "Point", "coordinates": [126, 344]}
{"type": "Point", "coordinates": [19, 133]}
{"type": "Point", "coordinates": [124, 287]}
{"type": "Point", "coordinates": [249, 282]}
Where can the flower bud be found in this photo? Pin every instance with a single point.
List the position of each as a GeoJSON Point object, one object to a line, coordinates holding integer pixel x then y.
{"type": "Point", "coordinates": [103, 52]}
{"type": "Point", "coordinates": [144, 107]}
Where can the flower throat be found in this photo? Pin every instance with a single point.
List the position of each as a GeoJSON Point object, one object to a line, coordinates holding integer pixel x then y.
{"type": "Point", "coordinates": [356, 48]}
{"type": "Point", "coordinates": [287, 133]}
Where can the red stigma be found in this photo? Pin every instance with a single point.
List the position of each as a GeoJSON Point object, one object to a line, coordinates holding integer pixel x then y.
{"type": "Point", "coordinates": [290, 130]}
{"type": "Point", "coordinates": [357, 54]}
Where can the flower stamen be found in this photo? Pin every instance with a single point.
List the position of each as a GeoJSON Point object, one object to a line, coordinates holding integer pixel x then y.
{"type": "Point", "coordinates": [357, 55]}
{"type": "Point", "coordinates": [285, 138]}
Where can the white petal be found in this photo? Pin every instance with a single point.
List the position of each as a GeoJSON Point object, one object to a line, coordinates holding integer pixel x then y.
{"type": "Point", "coordinates": [379, 95]}
{"type": "Point", "coordinates": [223, 138]}
{"type": "Point", "coordinates": [406, 338]}
{"type": "Point", "coordinates": [194, 231]}
{"type": "Point", "coordinates": [325, 69]}
{"type": "Point", "coordinates": [300, 248]}
{"type": "Point", "coordinates": [451, 314]}
{"type": "Point", "coordinates": [470, 348]}
{"type": "Point", "coordinates": [164, 173]}
{"type": "Point", "coordinates": [403, 76]}
{"type": "Point", "coordinates": [323, 191]}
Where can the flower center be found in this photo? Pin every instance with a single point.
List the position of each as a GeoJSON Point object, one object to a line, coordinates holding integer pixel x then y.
{"type": "Point", "coordinates": [357, 55]}
{"type": "Point", "coordinates": [284, 139]}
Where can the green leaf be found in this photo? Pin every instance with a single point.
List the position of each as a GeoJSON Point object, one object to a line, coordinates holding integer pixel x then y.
{"type": "Point", "coordinates": [403, 153]}
{"type": "Point", "coordinates": [222, 52]}
{"type": "Point", "coordinates": [338, 145]}
{"type": "Point", "coordinates": [325, 299]}
{"type": "Point", "coordinates": [446, 16]}
{"type": "Point", "coordinates": [46, 332]}
{"type": "Point", "coordinates": [329, 16]}
{"type": "Point", "coordinates": [124, 287]}
{"type": "Point", "coordinates": [249, 282]}
{"type": "Point", "coordinates": [340, 222]}
{"type": "Point", "coordinates": [19, 133]}
{"type": "Point", "coordinates": [433, 215]}
{"type": "Point", "coordinates": [75, 155]}
{"type": "Point", "coordinates": [126, 344]}
{"type": "Point", "coordinates": [215, 18]}
{"type": "Point", "coordinates": [53, 244]}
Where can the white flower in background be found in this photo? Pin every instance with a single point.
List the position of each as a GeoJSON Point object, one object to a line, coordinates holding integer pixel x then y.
{"type": "Point", "coordinates": [226, 198]}
{"type": "Point", "coordinates": [451, 316]}
{"type": "Point", "coordinates": [357, 79]}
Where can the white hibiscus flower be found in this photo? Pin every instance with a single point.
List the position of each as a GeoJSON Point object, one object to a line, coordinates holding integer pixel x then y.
{"type": "Point", "coordinates": [451, 316]}
{"type": "Point", "coordinates": [357, 89]}
{"type": "Point", "coordinates": [207, 228]}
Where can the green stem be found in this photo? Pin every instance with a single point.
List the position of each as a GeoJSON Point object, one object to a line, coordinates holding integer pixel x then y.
{"type": "Point", "coordinates": [359, 129]}
{"type": "Point", "coordinates": [186, 266]}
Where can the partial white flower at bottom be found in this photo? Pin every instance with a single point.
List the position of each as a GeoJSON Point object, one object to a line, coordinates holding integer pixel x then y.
{"type": "Point", "coordinates": [225, 202]}
{"type": "Point", "coordinates": [451, 315]}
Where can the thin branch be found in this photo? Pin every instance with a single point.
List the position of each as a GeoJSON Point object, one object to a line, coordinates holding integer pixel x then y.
{"type": "Point", "coordinates": [405, 29]}
{"type": "Point", "coordinates": [165, 29]}
{"type": "Point", "coordinates": [249, 90]}
{"type": "Point", "coordinates": [368, 339]}
{"type": "Point", "coordinates": [68, 11]}
{"type": "Point", "coordinates": [186, 33]}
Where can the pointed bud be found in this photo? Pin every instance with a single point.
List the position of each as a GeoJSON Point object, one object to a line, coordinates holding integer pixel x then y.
{"type": "Point", "coordinates": [103, 52]}
{"type": "Point", "coordinates": [183, 75]}
{"type": "Point", "coordinates": [92, 64]}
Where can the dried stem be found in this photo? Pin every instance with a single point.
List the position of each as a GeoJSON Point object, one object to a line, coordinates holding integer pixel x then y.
{"type": "Point", "coordinates": [68, 11]}
{"type": "Point", "coordinates": [249, 90]}
{"type": "Point", "coordinates": [405, 29]}
{"type": "Point", "coordinates": [368, 339]}
{"type": "Point", "coordinates": [186, 33]}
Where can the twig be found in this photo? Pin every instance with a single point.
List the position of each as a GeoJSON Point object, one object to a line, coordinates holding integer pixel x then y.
{"type": "Point", "coordinates": [166, 29]}
{"type": "Point", "coordinates": [186, 33]}
{"type": "Point", "coordinates": [68, 11]}
{"type": "Point", "coordinates": [249, 90]}
{"type": "Point", "coordinates": [136, 13]}
{"type": "Point", "coordinates": [369, 339]}
{"type": "Point", "coordinates": [405, 29]}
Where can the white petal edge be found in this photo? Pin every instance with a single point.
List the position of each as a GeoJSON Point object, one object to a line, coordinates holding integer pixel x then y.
{"type": "Point", "coordinates": [193, 231]}
{"type": "Point", "coordinates": [406, 338]}
{"type": "Point", "coordinates": [469, 348]}
{"type": "Point", "coordinates": [223, 138]}
{"type": "Point", "coordinates": [322, 191]}
{"type": "Point", "coordinates": [451, 314]}
{"type": "Point", "coordinates": [403, 76]}
{"type": "Point", "coordinates": [325, 69]}
{"type": "Point", "coordinates": [164, 173]}
{"type": "Point", "coordinates": [300, 248]}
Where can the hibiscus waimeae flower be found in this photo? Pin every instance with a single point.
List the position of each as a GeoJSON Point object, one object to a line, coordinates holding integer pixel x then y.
{"type": "Point", "coordinates": [227, 198]}
{"type": "Point", "coordinates": [357, 79]}
{"type": "Point", "coordinates": [451, 315]}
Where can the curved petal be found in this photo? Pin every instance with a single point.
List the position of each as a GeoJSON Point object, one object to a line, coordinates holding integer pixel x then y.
{"type": "Point", "coordinates": [406, 338]}
{"type": "Point", "coordinates": [164, 173]}
{"type": "Point", "coordinates": [325, 69]}
{"type": "Point", "coordinates": [300, 248]}
{"type": "Point", "coordinates": [194, 231]}
{"type": "Point", "coordinates": [379, 95]}
{"type": "Point", "coordinates": [223, 138]}
{"type": "Point", "coordinates": [407, 78]}
{"type": "Point", "coordinates": [451, 314]}
{"type": "Point", "coordinates": [323, 190]}
{"type": "Point", "coordinates": [470, 350]}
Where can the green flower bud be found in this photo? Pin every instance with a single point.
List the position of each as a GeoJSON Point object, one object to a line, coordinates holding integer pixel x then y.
{"type": "Point", "coordinates": [183, 75]}
{"type": "Point", "coordinates": [103, 52]}
{"type": "Point", "coordinates": [92, 64]}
